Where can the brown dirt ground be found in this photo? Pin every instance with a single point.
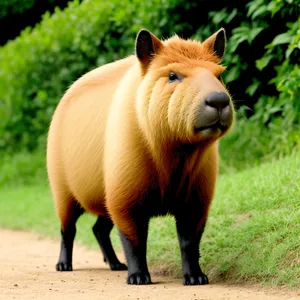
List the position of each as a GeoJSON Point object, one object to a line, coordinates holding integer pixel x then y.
{"type": "Point", "coordinates": [27, 272]}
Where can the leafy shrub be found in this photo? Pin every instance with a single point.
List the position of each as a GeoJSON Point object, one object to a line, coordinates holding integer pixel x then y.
{"type": "Point", "coordinates": [11, 7]}
{"type": "Point", "coordinates": [15, 15]}
{"type": "Point", "coordinates": [37, 67]}
{"type": "Point", "coordinates": [274, 129]}
{"type": "Point", "coordinates": [262, 56]}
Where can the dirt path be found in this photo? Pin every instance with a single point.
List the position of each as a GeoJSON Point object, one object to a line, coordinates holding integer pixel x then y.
{"type": "Point", "coordinates": [27, 272]}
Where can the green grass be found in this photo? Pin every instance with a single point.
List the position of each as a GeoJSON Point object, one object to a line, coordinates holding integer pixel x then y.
{"type": "Point", "coordinates": [252, 234]}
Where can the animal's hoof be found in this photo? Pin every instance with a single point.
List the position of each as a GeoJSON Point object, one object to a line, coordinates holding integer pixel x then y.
{"type": "Point", "coordinates": [118, 267]}
{"type": "Point", "coordinates": [139, 278]}
{"type": "Point", "coordinates": [195, 279]}
{"type": "Point", "coordinates": [61, 266]}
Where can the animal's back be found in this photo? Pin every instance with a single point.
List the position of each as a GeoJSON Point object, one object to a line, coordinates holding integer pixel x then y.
{"type": "Point", "coordinates": [76, 138]}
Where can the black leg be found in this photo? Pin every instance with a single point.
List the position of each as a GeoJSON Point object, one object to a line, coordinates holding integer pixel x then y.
{"type": "Point", "coordinates": [189, 236]}
{"type": "Point", "coordinates": [102, 229]}
{"type": "Point", "coordinates": [67, 239]}
{"type": "Point", "coordinates": [135, 250]}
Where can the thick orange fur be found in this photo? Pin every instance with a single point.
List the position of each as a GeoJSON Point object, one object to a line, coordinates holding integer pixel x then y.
{"type": "Point", "coordinates": [119, 132]}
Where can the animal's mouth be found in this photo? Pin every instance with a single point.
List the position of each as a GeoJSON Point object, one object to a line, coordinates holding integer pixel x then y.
{"type": "Point", "coordinates": [211, 122]}
{"type": "Point", "coordinates": [213, 128]}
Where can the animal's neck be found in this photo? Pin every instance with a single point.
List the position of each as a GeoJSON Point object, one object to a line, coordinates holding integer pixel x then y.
{"type": "Point", "coordinates": [177, 163]}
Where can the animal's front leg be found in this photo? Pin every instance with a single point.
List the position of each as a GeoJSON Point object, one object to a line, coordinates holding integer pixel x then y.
{"type": "Point", "coordinates": [189, 233]}
{"type": "Point", "coordinates": [135, 246]}
{"type": "Point", "coordinates": [132, 223]}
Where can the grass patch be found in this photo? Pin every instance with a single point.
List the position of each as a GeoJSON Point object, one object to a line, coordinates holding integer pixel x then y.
{"type": "Point", "coordinates": [252, 232]}
{"type": "Point", "coordinates": [253, 228]}
{"type": "Point", "coordinates": [23, 168]}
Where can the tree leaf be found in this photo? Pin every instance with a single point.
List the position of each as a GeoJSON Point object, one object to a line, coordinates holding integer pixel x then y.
{"type": "Point", "coordinates": [283, 38]}
{"type": "Point", "coordinates": [252, 88]}
{"type": "Point", "coordinates": [260, 11]}
{"type": "Point", "coordinates": [254, 33]}
{"type": "Point", "coordinates": [233, 74]}
{"type": "Point", "coordinates": [263, 62]}
{"type": "Point", "coordinates": [231, 15]}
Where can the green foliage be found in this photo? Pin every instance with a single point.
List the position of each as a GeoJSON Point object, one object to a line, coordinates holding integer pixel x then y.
{"type": "Point", "coordinates": [15, 15]}
{"type": "Point", "coordinates": [11, 7]}
{"type": "Point", "coordinates": [274, 129]}
{"type": "Point", "coordinates": [262, 56]}
{"type": "Point", "coordinates": [37, 67]}
{"type": "Point", "coordinates": [22, 168]}
{"type": "Point", "coordinates": [264, 49]}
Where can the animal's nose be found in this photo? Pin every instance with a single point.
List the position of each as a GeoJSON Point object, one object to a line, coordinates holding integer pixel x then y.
{"type": "Point", "coordinates": [217, 100]}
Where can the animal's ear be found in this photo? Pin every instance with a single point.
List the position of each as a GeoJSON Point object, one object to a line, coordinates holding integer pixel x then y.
{"type": "Point", "coordinates": [146, 46]}
{"type": "Point", "coordinates": [216, 43]}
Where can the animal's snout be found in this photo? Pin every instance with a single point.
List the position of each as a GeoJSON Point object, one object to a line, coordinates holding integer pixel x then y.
{"type": "Point", "coordinates": [215, 114]}
{"type": "Point", "coordinates": [217, 100]}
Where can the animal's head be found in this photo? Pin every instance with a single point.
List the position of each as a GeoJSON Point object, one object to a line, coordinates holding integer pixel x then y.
{"type": "Point", "coordinates": [182, 97]}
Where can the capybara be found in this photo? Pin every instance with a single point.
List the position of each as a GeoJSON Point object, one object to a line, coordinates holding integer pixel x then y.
{"type": "Point", "coordinates": [137, 138]}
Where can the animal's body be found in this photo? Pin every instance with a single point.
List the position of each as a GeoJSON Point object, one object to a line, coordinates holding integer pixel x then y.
{"type": "Point", "coordinates": [138, 138]}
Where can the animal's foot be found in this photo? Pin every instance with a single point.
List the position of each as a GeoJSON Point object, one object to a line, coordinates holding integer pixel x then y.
{"type": "Point", "coordinates": [139, 278]}
{"type": "Point", "coordinates": [189, 279]}
{"type": "Point", "coordinates": [63, 266]}
{"type": "Point", "coordinates": [118, 267]}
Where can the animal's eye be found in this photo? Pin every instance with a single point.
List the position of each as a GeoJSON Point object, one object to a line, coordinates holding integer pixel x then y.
{"type": "Point", "coordinates": [173, 76]}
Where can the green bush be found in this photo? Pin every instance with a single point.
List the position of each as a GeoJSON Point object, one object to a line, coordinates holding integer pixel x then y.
{"type": "Point", "coordinates": [15, 15]}
{"type": "Point", "coordinates": [263, 76]}
{"type": "Point", "coordinates": [11, 7]}
{"type": "Point", "coordinates": [262, 52]}
{"type": "Point", "coordinates": [274, 129]}
{"type": "Point", "coordinates": [37, 67]}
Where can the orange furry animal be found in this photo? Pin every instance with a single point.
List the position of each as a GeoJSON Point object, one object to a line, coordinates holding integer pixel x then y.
{"type": "Point", "coordinates": [138, 138]}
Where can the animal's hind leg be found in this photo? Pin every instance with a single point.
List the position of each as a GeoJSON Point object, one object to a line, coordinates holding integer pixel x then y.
{"type": "Point", "coordinates": [102, 229]}
{"type": "Point", "coordinates": [69, 213]}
